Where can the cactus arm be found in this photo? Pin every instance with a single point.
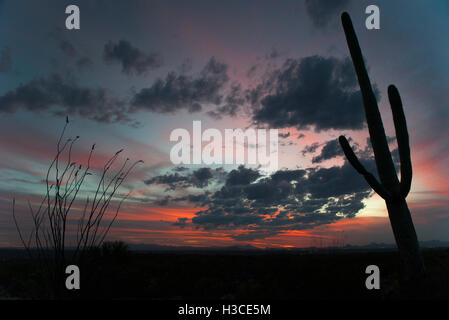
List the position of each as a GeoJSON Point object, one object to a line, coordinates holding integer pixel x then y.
{"type": "Point", "coordinates": [354, 161]}
{"type": "Point", "coordinates": [384, 162]}
{"type": "Point", "coordinates": [400, 126]}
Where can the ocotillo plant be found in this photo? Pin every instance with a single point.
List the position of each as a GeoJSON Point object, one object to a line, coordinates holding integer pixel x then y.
{"type": "Point", "coordinates": [393, 191]}
{"type": "Point", "coordinates": [65, 227]}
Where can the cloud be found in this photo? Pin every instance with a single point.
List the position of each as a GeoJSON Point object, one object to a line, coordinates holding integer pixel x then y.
{"type": "Point", "coordinates": [177, 92]}
{"type": "Point", "coordinates": [172, 180]}
{"type": "Point", "coordinates": [286, 200]}
{"type": "Point", "coordinates": [310, 148]}
{"type": "Point", "coordinates": [232, 103]}
{"type": "Point", "coordinates": [199, 178]}
{"type": "Point", "coordinates": [322, 12]}
{"type": "Point", "coordinates": [312, 91]}
{"type": "Point", "coordinates": [241, 176]}
{"type": "Point", "coordinates": [264, 205]}
{"type": "Point", "coordinates": [5, 60]}
{"type": "Point", "coordinates": [330, 150]}
{"type": "Point", "coordinates": [63, 96]}
{"type": "Point", "coordinates": [132, 59]}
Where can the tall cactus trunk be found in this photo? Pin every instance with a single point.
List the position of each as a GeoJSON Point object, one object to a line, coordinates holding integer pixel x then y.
{"type": "Point", "coordinates": [405, 236]}
{"type": "Point", "coordinates": [393, 191]}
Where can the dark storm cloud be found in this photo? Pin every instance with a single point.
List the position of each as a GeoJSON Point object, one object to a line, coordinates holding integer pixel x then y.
{"type": "Point", "coordinates": [288, 175]}
{"type": "Point", "coordinates": [330, 150]}
{"type": "Point", "coordinates": [310, 148]}
{"type": "Point", "coordinates": [201, 199]}
{"type": "Point", "coordinates": [177, 92]}
{"type": "Point", "coordinates": [5, 60]}
{"type": "Point", "coordinates": [180, 169]}
{"type": "Point", "coordinates": [335, 181]}
{"type": "Point", "coordinates": [197, 199]}
{"type": "Point", "coordinates": [322, 12]}
{"type": "Point", "coordinates": [232, 103]}
{"type": "Point", "coordinates": [285, 200]}
{"type": "Point", "coordinates": [132, 59]}
{"type": "Point", "coordinates": [199, 178]}
{"type": "Point", "coordinates": [171, 180]}
{"type": "Point", "coordinates": [63, 97]}
{"type": "Point", "coordinates": [241, 176]}
{"type": "Point", "coordinates": [313, 91]}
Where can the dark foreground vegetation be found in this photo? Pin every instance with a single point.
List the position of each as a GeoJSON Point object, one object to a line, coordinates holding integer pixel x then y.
{"type": "Point", "coordinates": [121, 274]}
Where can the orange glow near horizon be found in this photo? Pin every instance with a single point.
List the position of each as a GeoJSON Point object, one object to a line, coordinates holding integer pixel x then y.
{"type": "Point", "coordinates": [160, 213]}
{"type": "Point", "coordinates": [326, 235]}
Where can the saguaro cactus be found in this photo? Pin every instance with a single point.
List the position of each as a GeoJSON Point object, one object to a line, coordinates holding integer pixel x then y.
{"type": "Point", "coordinates": [389, 188]}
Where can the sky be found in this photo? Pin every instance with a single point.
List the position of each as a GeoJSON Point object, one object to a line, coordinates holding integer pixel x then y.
{"type": "Point", "coordinates": [137, 70]}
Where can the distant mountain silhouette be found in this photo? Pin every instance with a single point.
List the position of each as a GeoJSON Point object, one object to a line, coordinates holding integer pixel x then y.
{"type": "Point", "coordinates": [17, 253]}
{"type": "Point", "coordinates": [374, 245]}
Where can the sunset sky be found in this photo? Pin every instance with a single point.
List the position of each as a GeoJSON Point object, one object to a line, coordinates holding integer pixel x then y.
{"type": "Point", "coordinates": [136, 70]}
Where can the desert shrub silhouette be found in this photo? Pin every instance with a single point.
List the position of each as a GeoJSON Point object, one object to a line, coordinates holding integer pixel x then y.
{"type": "Point", "coordinates": [393, 191]}
{"type": "Point", "coordinates": [115, 250]}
